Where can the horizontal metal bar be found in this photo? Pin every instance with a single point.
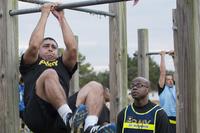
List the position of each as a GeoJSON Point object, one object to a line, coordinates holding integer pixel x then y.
{"type": "Point", "coordinates": [150, 53]}
{"type": "Point", "coordinates": [24, 11]}
{"type": "Point", "coordinates": [35, 1]}
{"type": "Point", "coordinates": [155, 53]}
{"type": "Point", "coordinates": [65, 6]}
{"type": "Point", "coordinates": [89, 3]}
{"type": "Point", "coordinates": [91, 11]}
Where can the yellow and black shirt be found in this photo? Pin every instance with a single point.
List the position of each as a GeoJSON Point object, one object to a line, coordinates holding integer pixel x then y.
{"type": "Point", "coordinates": [147, 119]}
{"type": "Point", "coordinates": [30, 74]}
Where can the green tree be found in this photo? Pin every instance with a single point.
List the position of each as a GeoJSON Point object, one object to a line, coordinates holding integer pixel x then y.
{"type": "Point", "coordinates": [103, 78]}
{"type": "Point", "coordinates": [132, 69]}
{"type": "Point", "coordinates": [86, 71]}
{"type": "Point", "coordinates": [154, 73]}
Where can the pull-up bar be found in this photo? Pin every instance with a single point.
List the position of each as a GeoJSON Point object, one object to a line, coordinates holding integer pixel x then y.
{"type": "Point", "coordinates": [91, 11]}
{"type": "Point", "coordinates": [150, 53]}
{"type": "Point", "coordinates": [65, 6]}
{"type": "Point", "coordinates": [155, 53]}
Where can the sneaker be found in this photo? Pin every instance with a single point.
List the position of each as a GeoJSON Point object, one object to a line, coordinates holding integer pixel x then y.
{"type": "Point", "coordinates": [68, 118]}
{"type": "Point", "coordinates": [92, 129]}
{"type": "Point", "coordinates": [79, 116]}
{"type": "Point", "coordinates": [108, 128]}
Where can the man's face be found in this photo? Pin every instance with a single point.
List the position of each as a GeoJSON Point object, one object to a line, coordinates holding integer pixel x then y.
{"type": "Point", "coordinates": [139, 89]}
{"type": "Point", "coordinates": [169, 81]}
{"type": "Point", "coordinates": [48, 50]}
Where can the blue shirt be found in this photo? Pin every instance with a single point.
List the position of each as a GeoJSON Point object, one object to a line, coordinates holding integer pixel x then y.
{"type": "Point", "coordinates": [168, 100]}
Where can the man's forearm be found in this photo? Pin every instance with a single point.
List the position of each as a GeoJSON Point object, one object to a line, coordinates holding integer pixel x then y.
{"type": "Point", "coordinates": [38, 33]}
{"type": "Point", "coordinates": [31, 54]}
{"type": "Point", "coordinates": [162, 65]}
{"type": "Point", "coordinates": [68, 35]}
{"type": "Point", "coordinates": [162, 71]}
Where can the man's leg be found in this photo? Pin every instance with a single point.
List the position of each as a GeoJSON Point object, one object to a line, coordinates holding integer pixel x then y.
{"type": "Point", "coordinates": [50, 90]}
{"type": "Point", "coordinates": [92, 95]}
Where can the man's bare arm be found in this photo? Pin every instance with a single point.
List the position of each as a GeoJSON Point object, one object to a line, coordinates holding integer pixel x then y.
{"type": "Point", "coordinates": [70, 53]}
{"type": "Point", "coordinates": [37, 36]}
{"type": "Point", "coordinates": [162, 69]}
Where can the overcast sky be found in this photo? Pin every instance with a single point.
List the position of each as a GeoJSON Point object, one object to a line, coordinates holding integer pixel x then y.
{"type": "Point", "coordinates": [92, 30]}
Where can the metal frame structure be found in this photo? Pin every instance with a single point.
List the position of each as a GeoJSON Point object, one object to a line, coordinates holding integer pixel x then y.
{"type": "Point", "coordinates": [65, 6]}
{"type": "Point", "coordinates": [86, 10]}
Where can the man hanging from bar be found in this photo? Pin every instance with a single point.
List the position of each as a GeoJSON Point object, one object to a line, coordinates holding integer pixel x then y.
{"type": "Point", "coordinates": [46, 77]}
{"type": "Point", "coordinates": [167, 91]}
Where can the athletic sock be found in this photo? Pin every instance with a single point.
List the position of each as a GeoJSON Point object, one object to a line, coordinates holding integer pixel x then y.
{"type": "Point", "coordinates": [63, 111]}
{"type": "Point", "coordinates": [90, 121]}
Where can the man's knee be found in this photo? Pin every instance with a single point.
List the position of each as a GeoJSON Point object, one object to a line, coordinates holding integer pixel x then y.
{"type": "Point", "coordinates": [95, 87]}
{"type": "Point", "coordinates": [45, 84]}
{"type": "Point", "coordinates": [49, 74]}
{"type": "Point", "coordinates": [45, 76]}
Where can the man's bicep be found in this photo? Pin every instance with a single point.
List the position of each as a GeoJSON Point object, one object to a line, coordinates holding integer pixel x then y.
{"type": "Point", "coordinates": [30, 56]}
{"type": "Point", "coordinates": [69, 59]}
{"type": "Point", "coordinates": [161, 81]}
{"type": "Point", "coordinates": [23, 67]}
{"type": "Point", "coordinates": [160, 90]}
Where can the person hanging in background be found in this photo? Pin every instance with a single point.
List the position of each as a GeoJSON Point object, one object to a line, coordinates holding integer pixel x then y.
{"type": "Point", "coordinates": [167, 91]}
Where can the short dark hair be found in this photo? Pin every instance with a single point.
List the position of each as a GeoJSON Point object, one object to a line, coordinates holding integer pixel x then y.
{"type": "Point", "coordinates": [170, 74]}
{"type": "Point", "coordinates": [50, 38]}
